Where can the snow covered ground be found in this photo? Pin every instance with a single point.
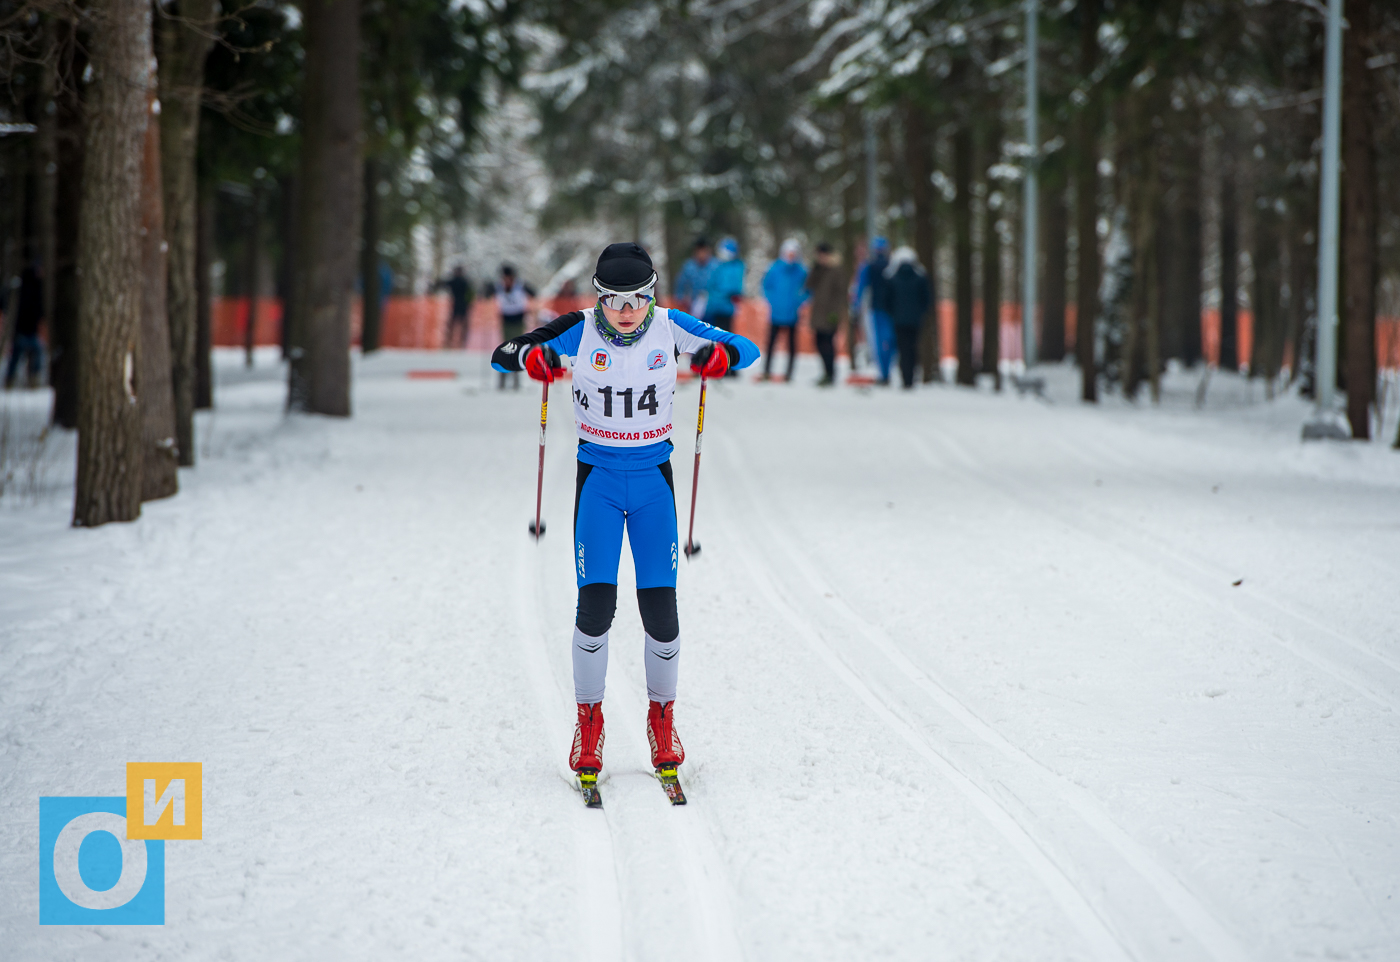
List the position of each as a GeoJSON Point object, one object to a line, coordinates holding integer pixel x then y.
{"type": "Point", "coordinates": [964, 677]}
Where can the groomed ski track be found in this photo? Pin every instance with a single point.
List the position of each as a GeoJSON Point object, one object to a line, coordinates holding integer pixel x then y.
{"type": "Point", "coordinates": [962, 677]}
{"type": "Point", "coordinates": [662, 857]}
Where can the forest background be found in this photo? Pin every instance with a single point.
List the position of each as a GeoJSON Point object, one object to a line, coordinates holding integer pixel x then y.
{"type": "Point", "coordinates": [157, 155]}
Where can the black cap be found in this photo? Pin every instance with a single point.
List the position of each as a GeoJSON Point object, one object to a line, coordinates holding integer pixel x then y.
{"type": "Point", "coordinates": [824, 248]}
{"type": "Point", "coordinates": [624, 267]}
{"type": "Point", "coordinates": [701, 241]}
{"type": "Point", "coordinates": [507, 270]}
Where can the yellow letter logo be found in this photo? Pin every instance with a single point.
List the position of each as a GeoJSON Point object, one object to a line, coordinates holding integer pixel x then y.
{"type": "Point", "coordinates": [164, 800]}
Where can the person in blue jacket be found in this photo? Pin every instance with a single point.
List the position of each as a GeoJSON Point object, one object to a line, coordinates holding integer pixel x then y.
{"type": "Point", "coordinates": [872, 278]}
{"type": "Point", "coordinates": [726, 285]}
{"type": "Point", "coordinates": [694, 279]}
{"type": "Point", "coordinates": [785, 287]}
{"type": "Point", "coordinates": [625, 350]}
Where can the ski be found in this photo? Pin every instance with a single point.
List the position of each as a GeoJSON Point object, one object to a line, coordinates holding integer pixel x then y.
{"type": "Point", "coordinates": [588, 787]}
{"type": "Point", "coordinates": [670, 784]}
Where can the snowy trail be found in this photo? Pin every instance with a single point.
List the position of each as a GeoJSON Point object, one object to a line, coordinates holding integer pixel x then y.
{"type": "Point", "coordinates": [961, 677]}
{"type": "Point", "coordinates": [1102, 943]}
{"type": "Point", "coordinates": [1374, 674]}
{"type": "Point", "coordinates": [1026, 519]}
{"type": "Point", "coordinates": [1251, 599]}
{"type": "Point", "coordinates": [595, 867]}
{"type": "Point", "coordinates": [658, 844]}
{"type": "Point", "coordinates": [1013, 798]}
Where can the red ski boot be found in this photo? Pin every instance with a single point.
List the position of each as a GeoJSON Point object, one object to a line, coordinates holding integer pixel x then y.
{"type": "Point", "coordinates": [666, 748]}
{"type": "Point", "coordinates": [587, 753]}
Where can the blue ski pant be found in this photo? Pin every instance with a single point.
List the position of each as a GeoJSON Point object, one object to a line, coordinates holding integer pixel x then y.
{"type": "Point", "coordinates": [884, 342]}
{"type": "Point", "coordinates": [642, 502]}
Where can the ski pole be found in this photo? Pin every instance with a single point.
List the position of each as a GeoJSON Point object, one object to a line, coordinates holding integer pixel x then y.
{"type": "Point", "coordinates": [537, 527]}
{"type": "Point", "coordinates": [690, 546]}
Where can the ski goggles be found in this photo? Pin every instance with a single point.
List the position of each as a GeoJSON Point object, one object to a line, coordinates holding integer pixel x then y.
{"type": "Point", "coordinates": [642, 297]}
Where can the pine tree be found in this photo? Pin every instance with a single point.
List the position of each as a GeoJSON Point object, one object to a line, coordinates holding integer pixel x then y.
{"type": "Point", "coordinates": [109, 265]}
{"type": "Point", "coordinates": [328, 220]}
{"type": "Point", "coordinates": [185, 34]}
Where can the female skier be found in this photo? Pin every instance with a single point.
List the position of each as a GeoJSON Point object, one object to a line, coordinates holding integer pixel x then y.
{"type": "Point", "coordinates": [623, 386]}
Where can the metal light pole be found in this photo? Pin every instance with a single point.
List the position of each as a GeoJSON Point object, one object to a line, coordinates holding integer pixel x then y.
{"type": "Point", "coordinates": [1029, 201]}
{"type": "Point", "coordinates": [1324, 423]}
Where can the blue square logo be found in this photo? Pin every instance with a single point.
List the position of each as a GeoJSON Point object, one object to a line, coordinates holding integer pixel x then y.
{"type": "Point", "coordinates": [90, 873]}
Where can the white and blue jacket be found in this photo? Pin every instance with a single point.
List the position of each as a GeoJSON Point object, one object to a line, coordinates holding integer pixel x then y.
{"type": "Point", "coordinates": [623, 394]}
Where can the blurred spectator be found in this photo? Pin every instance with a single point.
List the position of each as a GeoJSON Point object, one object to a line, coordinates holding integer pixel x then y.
{"type": "Point", "coordinates": [461, 290]}
{"type": "Point", "coordinates": [28, 304]}
{"type": "Point", "coordinates": [872, 278]}
{"type": "Point", "coordinates": [725, 287]}
{"type": "Point", "coordinates": [785, 288]}
{"type": "Point", "coordinates": [694, 279]}
{"type": "Point", "coordinates": [909, 298]}
{"type": "Point", "coordinates": [512, 300]}
{"type": "Point", "coordinates": [826, 286]}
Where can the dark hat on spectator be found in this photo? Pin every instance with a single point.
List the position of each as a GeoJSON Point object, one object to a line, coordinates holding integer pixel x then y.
{"type": "Point", "coordinates": [624, 267]}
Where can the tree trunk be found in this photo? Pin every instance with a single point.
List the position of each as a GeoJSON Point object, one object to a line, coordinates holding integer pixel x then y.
{"type": "Point", "coordinates": [991, 247]}
{"type": "Point", "coordinates": [1168, 252]}
{"type": "Point", "coordinates": [184, 42]}
{"type": "Point", "coordinates": [918, 150]}
{"type": "Point", "coordinates": [1139, 204]}
{"type": "Point", "coordinates": [70, 138]}
{"type": "Point", "coordinates": [1267, 350]}
{"type": "Point", "coordinates": [1229, 258]}
{"type": "Point", "coordinates": [1302, 264]}
{"type": "Point", "coordinates": [1152, 321]}
{"type": "Point", "coordinates": [287, 268]}
{"type": "Point", "coordinates": [1359, 221]}
{"type": "Point", "coordinates": [962, 253]}
{"type": "Point", "coordinates": [159, 459]}
{"type": "Point", "coordinates": [369, 261]}
{"type": "Point", "coordinates": [252, 274]}
{"type": "Point", "coordinates": [11, 197]}
{"type": "Point", "coordinates": [204, 300]}
{"type": "Point", "coordinates": [46, 162]}
{"type": "Point", "coordinates": [109, 262]}
{"type": "Point", "coordinates": [20, 179]}
{"type": "Point", "coordinates": [1086, 201]}
{"type": "Point", "coordinates": [319, 380]}
{"type": "Point", "coordinates": [1055, 243]}
{"type": "Point", "coordinates": [1191, 255]}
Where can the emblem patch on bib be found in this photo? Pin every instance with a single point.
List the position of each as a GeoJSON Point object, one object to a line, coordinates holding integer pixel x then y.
{"type": "Point", "coordinates": [601, 360]}
{"type": "Point", "coordinates": [658, 359]}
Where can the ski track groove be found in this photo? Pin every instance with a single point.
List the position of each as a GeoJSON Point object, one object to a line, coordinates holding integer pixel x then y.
{"type": "Point", "coordinates": [1115, 463]}
{"type": "Point", "coordinates": [713, 921]}
{"type": "Point", "coordinates": [600, 907]}
{"type": "Point", "coordinates": [1191, 575]}
{"type": "Point", "coordinates": [1099, 937]}
{"type": "Point", "coordinates": [1197, 922]}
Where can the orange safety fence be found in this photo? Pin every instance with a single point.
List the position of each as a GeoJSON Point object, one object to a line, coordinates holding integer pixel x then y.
{"type": "Point", "coordinates": [422, 323]}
